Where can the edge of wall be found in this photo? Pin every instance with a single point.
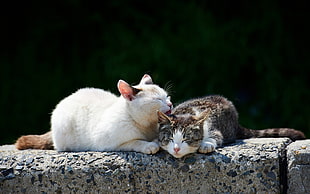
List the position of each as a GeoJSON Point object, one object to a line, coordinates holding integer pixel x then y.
{"type": "Point", "coordinates": [248, 166]}
{"type": "Point", "coordinates": [298, 155]}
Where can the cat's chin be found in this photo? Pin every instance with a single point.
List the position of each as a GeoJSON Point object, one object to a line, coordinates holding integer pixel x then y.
{"type": "Point", "coordinates": [177, 155]}
{"type": "Point", "coordinates": [183, 152]}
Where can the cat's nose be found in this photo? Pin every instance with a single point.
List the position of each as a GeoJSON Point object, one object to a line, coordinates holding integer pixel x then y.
{"type": "Point", "coordinates": [170, 105]}
{"type": "Point", "coordinates": [176, 149]}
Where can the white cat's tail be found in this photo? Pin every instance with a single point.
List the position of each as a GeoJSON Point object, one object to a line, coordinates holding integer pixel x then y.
{"type": "Point", "coordinates": [42, 142]}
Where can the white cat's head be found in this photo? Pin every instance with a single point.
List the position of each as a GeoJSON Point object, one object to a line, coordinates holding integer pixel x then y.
{"type": "Point", "coordinates": [145, 99]}
{"type": "Point", "coordinates": [179, 135]}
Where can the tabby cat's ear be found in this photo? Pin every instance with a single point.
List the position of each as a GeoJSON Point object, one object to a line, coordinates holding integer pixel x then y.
{"type": "Point", "coordinates": [146, 79]}
{"type": "Point", "coordinates": [127, 91]}
{"type": "Point", "coordinates": [163, 118]}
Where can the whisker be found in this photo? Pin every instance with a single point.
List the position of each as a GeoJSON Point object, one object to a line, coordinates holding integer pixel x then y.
{"type": "Point", "coordinates": [168, 87]}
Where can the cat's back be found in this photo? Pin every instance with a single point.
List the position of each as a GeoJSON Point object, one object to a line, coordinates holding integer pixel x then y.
{"type": "Point", "coordinates": [82, 104]}
{"type": "Point", "coordinates": [93, 94]}
{"type": "Point", "coordinates": [213, 103]}
{"type": "Point", "coordinates": [89, 96]}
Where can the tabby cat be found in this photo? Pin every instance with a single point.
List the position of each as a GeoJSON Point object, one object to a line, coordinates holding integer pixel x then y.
{"type": "Point", "coordinates": [205, 123]}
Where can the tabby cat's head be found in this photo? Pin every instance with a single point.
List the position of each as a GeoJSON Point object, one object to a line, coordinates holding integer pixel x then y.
{"type": "Point", "coordinates": [179, 135]}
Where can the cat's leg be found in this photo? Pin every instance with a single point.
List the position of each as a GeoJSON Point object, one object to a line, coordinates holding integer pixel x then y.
{"type": "Point", "coordinates": [207, 145]}
{"type": "Point", "coordinates": [211, 138]}
{"type": "Point", "coordinates": [145, 147]}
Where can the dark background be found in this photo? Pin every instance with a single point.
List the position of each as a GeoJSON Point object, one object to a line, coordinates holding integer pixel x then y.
{"type": "Point", "coordinates": [254, 53]}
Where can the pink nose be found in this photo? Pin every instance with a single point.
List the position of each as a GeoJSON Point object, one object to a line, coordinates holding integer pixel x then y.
{"type": "Point", "coordinates": [169, 104]}
{"type": "Point", "coordinates": [176, 149]}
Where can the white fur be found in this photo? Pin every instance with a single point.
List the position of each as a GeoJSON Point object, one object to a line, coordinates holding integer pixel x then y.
{"type": "Point", "coordinates": [177, 142]}
{"type": "Point", "coordinates": [207, 144]}
{"type": "Point", "coordinates": [196, 111]}
{"type": "Point", "coordinates": [97, 120]}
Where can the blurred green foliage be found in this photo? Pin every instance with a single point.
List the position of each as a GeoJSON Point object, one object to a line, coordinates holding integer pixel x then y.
{"type": "Point", "coordinates": [254, 53]}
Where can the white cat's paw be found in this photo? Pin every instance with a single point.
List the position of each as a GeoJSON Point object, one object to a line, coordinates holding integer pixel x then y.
{"type": "Point", "coordinates": [150, 148]}
{"type": "Point", "coordinates": [206, 147]}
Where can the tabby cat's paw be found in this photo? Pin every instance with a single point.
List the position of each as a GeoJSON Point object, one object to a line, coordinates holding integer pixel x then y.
{"type": "Point", "coordinates": [206, 147]}
{"type": "Point", "coordinates": [150, 148]}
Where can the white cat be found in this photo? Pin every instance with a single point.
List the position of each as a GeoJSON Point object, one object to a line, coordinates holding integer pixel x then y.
{"type": "Point", "coordinates": [96, 120]}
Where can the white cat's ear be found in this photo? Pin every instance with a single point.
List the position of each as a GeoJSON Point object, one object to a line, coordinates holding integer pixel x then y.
{"type": "Point", "coordinates": [146, 79]}
{"type": "Point", "coordinates": [127, 91]}
{"type": "Point", "coordinates": [163, 118]}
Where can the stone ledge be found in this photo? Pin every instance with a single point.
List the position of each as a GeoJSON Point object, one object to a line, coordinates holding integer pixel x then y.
{"type": "Point", "coordinates": [248, 166]}
{"type": "Point", "coordinates": [298, 155]}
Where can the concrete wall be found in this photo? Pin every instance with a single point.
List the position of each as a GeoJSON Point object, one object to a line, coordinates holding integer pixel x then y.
{"type": "Point", "coordinates": [298, 154]}
{"type": "Point", "coordinates": [249, 166]}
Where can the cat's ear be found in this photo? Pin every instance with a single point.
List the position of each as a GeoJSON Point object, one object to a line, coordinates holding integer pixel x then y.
{"type": "Point", "coordinates": [127, 91]}
{"type": "Point", "coordinates": [146, 79]}
{"type": "Point", "coordinates": [163, 118]}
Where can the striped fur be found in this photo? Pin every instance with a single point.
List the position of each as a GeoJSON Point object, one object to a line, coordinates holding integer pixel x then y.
{"type": "Point", "coordinates": [273, 132]}
{"type": "Point", "coordinates": [205, 123]}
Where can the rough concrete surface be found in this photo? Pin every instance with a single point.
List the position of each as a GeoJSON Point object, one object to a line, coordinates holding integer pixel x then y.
{"type": "Point", "coordinates": [249, 166]}
{"type": "Point", "coordinates": [298, 155]}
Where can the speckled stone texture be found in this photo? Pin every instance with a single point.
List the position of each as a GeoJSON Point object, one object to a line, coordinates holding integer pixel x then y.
{"type": "Point", "coordinates": [249, 166]}
{"type": "Point", "coordinates": [298, 155]}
